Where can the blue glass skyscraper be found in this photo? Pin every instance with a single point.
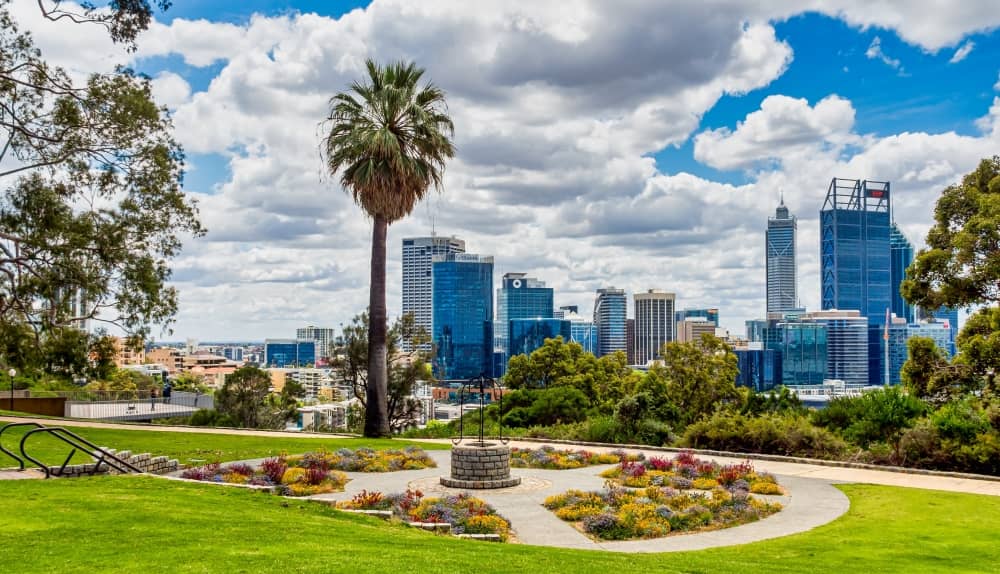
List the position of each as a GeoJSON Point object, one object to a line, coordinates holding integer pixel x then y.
{"type": "Point", "coordinates": [519, 297]}
{"type": "Point", "coordinates": [855, 258]}
{"type": "Point", "coordinates": [901, 252]}
{"type": "Point", "coordinates": [463, 313]}
{"type": "Point", "coordinates": [759, 369]}
{"type": "Point", "coordinates": [526, 335]}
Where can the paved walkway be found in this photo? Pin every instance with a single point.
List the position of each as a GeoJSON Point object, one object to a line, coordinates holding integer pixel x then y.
{"type": "Point", "coordinates": [810, 502]}
{"type": "Point", "coordinates": [831, 473]}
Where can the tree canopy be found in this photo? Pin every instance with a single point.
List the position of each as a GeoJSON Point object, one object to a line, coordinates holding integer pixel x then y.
{"type": "Point", "coordinates": [350, 362]}
{"type": "Point", "coordinates": [92, 208]}
{"type": "Point", "coordinates": [960, 267]}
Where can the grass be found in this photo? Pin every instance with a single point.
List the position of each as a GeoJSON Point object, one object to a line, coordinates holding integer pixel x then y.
{"type": "Point", "coordinates": [187, 447]}
{"type": "Point", "coordinates": [142, 524]}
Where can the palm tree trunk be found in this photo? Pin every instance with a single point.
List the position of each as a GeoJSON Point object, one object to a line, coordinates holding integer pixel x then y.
{"type": "Point", "coordinates": [376, 411]}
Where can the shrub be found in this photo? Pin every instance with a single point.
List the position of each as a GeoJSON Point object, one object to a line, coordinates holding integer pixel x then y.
{"type": "Point", "coordinates": [786, 434]}
{"type": "Point", "coordinates": [239, 468]}
{"type": "Point", "coordinates": [765, 488]}
{"type": "Point", "coordinates": [207, 472]}
{"type": "Point", "coordinates": [274, 469]}
{"type": "Point", "coordinates": [365, 500]}
{"type": "Point", "coordinates": [705, 483]}
{"type": "Point", "coordinates": [488, 524]}
{"type": "Point", "coordinates": [293, 475]}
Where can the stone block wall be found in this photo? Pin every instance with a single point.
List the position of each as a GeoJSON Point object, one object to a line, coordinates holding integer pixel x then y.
{"type": "Point", "coordinates": [144, 462]}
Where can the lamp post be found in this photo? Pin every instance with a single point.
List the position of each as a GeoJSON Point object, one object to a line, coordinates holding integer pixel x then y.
{"type": "Point", "coordinates": [12, 372]}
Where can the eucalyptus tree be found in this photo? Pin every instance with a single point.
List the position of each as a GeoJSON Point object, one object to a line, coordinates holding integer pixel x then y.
{"type": "Point", "coordinates": [92, 208]}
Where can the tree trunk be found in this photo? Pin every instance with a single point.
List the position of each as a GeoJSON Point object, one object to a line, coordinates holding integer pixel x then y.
{"type": "Point", "coordinates": [376, 409]}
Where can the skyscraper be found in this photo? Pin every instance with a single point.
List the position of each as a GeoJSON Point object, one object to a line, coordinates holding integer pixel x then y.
{"type": "Point", "coordinates": [780, 249]}
{"type": "Point", "coordinates": [610, 309]}
{"type": "Point", "coordinates": [855, 258]}
{"type": "Point", "coordinates": [519, 297]}
{"type": "Point", "coordinates": [417, 267]}
{"type": "Point", "coordinates": [462, 295]}
{"type": "Point", "coordinates": [654, 323]}
{"type": "Point", "coordinates": [901, 253]}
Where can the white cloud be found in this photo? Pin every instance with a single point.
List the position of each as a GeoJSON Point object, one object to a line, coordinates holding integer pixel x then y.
{"type": "Point", "coordinates": [171, 90]}
{"type": "Point", "coordinates": [874, 52]}
{"type": "Point", "coordinates": [783, 126]}
{"type": "Point", "coordinates": [962, 52]}
{"type": "Point", "coordinates": [996, 86]}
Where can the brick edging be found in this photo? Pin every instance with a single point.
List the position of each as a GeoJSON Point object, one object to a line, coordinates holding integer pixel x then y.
{"type": "Point", "coordinates": [774, 458]}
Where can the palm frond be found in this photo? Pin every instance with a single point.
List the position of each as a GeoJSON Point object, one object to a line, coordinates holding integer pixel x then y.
{"type": "Point", "coordinates": [389, 139]}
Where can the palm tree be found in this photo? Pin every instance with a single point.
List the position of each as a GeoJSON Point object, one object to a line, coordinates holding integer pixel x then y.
{"type": "Point", "coordinates": [389, 139]}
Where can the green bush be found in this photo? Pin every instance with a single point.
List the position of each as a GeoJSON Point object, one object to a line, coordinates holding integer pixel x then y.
{"type": "Point", "coordinates": [785, 434]}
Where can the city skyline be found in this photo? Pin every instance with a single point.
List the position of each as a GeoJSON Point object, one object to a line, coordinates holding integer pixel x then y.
{"type": "Point", "coordinates": [655, 169]}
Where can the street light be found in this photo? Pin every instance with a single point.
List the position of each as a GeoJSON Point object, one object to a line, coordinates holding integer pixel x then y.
{"type": "Point", "coordinates": [12, 372]}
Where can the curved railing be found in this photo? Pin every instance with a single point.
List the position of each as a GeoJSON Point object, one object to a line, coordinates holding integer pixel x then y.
{"type": "Point", "coordinates": [75, 441]}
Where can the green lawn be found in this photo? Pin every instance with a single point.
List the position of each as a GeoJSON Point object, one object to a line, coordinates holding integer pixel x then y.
{"type": "Point", "coordinates": [186, 447]}
{"type": "Point", "coordinates": [142, 524]}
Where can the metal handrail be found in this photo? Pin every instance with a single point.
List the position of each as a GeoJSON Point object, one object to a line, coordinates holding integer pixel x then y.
{"type": "Point", "coordinates": [20, 461]}
{"type": "Point", "coordinates": [121, 465]}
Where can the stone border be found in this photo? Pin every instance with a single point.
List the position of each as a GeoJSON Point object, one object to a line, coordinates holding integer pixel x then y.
{"type": "Point", "coordinates": [480, 484]}
{"type": "Point", "coordinates": [769, 457]}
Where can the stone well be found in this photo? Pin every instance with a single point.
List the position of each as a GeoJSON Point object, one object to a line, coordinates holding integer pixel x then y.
{"type": "Point", "coordinates": [480, 465]}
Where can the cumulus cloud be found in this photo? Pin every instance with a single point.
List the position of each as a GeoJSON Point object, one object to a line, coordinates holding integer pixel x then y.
{"type": "Point", "coordinates": [558, 109]}
{"type": "Point", "coordinates": [962, 52]}
{"type": "Point", "coordinates": [783, 126]}
{"type": "Point", "coordinates": [171, 90]}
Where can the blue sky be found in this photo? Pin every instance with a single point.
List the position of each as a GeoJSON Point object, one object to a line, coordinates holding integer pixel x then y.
{"type": "Point", "coordinates": [636, 144]}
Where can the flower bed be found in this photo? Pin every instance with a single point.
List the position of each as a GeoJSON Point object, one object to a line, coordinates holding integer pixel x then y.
{"type": "Point", "coordinates": [684, 472]}
{"type": "Point", "coordinates": [550, 458]}
{"type": "Point", "coordinates": [314, 472]}
{"type": "Point", "coordinates": [465, 514]}
{"type": "Point", "coordinates": [365, 459]}
{"type": "Point", "coordinates": [621, 513]}
{"type": "Point", "coordinates": [273, 472]}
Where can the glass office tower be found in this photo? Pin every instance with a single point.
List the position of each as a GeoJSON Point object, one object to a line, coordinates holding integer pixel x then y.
{"type": "Point", "coordinates": [901, 253]}
{"type": "Point", "coordinates": [463, 314]}
{"type": "Point", "coordinates": [610, 310]}
{"type": "Point", "coordinates": [519, 297]}
{"type": "Point", "coordinates": [526, 335]}
{"type": "Point", "coordinates": [855, 265]}
{"type": "Point", "coordinates": [418, 256]}
{"type": "Point", "coordinates": [780, 260]}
